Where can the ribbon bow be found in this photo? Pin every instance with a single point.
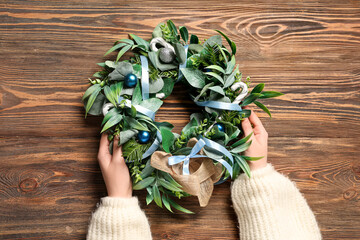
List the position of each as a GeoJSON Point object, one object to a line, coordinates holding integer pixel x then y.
{"type": "Point", "coordinates": [186, 159]}
{"type": "Point", "coordinates": [193, 154]}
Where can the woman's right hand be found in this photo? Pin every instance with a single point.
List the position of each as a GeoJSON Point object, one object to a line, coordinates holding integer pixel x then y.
{"type": "Point", "coordinates": [259, 138]}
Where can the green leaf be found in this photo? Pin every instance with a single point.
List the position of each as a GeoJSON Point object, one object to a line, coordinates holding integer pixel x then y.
{"type": "Point", "coordinates": [249, 99]}
{"type": "Point", "coordinates": [122, 52]}
{"type": "Point", "coordinates": [98, 74]}
{"type": "Point", "coordinates": [117, 46]}
{"type": "Point", "coordinates": [140, 41]}
{"type": "Point", "coordinates": [203, 90]}
{"type": "Point", "coordinates": [270, 94]}
{"type": "Point", "coordinates": [194, 39]}
{"type": "Point", "coordinates": [101, 64]}
{"type": "Point", "coordinates": [172, 27]}
{"type": "Point", "coordinates": [258, 88]}
{"type": "Point", "coordinates": [180, 52]}
{"type": "Point", "coordinates": [157, 196]}
{"type": "Point", "coordinates": [112, 121]}
{"type": "Point", "coordinates": [97, 106]}
{"type": "Point", "coordinates": [110, 64]}
{"type": "Point", "coordinates": [234, 135]}
{"type": "Point", "coordinates": [152, 104]}
{"type": "Point", "coordinates": [112, 112]}
{"type": "Point", "coordinates": [91, 100]}
{"type": "Point", "coordinates": [218, 77]}
{"type": "Point", "coordinates": [178, 207]}
{"type": "Point", "coordinates": [136, 97]}
{"type": "Point", "coordinates": [243, 165]}
{"type": "Point", "coordinates": [263, 107]}
{"type": "Point", "coordinates": [242, 141]}
{"type": "Point", "coordinates": [231, 78]}
{"type": "Point", "coordinates": [184, 33]}
{"type": "Point", "coordinates": [194, 77]}
{"type": "Point", "coordinates": [241, 148]}
{"type": "Point", "coordinates": [168, 87]}
{"type": "Point", "coordinates": [135, 124]}
{"type": "Point", "coordinates": [251, 158]}
{"type": "Point", "coordinates": [144, 183]}
{"type": "Point", "coordinates": [128, 41]}
{"type": "Point", "coordinates": [133, 151]}
{"type": "Point", "coordinates": [231, 43]}
{"type": "Point", "coordinates": [230, 65]}
{"type": "Point", "coordinates": [214, 40]}
{"type": "Point", "coordinates": [149, 198]}
{"type": "Point", "coordinates": [147, 170]}
{"type": "Point", "coordinates": [217, 68]}
{"type": "Point", "coordinates": [169, 178]}
{"type": "Point", "coordinates": [90, 90]}
{"type": "Point", "coordinates": [217, 89]}
{"type": "Point", "coordinates": [154, 58]}
{"type": "Point", "coordinates": [166, 203]}
{"type": "Point", "coordinates": [110, 95]}
{"type": "Point", "coordinates": [168, 185]}
{"type": "Point", "coordinates": [127, 135]}
{"type": "Point", "coordinates": [167, 138]}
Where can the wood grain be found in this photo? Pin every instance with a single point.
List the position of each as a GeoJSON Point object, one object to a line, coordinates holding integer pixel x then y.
{"type": "Point", "coordinates": [49, 179]}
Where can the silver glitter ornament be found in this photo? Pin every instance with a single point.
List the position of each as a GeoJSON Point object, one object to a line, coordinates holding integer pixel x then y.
{"type": "Point", "coordinates": [166, 55]}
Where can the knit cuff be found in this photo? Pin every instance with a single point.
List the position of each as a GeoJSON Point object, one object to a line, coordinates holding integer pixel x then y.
{"type": "Point", "coordinates": [259, 173]}
{"type": "Point", "coordinates": [118, 202]}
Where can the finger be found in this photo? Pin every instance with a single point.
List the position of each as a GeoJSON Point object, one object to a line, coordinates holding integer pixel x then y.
{"type": "Point", "coordinates": [117, 150]}
{"type": "Point", "coordinates": [255, 121]}
{"type": "Point", "coordinates": [104, 153]}
{"type": "Point", "coordinates": [246, 126]}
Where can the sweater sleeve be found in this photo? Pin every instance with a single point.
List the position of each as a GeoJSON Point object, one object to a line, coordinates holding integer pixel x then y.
{"type": "Point", "coordinates": [269, 206]}
{"type": "Point", "coordinates": [118, 219]}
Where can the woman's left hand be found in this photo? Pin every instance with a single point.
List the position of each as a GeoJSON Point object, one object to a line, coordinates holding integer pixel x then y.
{"type": "Point", "coordinates": [114, 170]}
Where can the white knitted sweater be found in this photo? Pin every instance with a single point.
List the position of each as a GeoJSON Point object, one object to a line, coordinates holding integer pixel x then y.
{"type": "Point", "coordinates": [268, 206]}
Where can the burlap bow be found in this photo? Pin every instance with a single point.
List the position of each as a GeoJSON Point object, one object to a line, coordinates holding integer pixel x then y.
{"type": "Point", "coordinates": [203, 173]}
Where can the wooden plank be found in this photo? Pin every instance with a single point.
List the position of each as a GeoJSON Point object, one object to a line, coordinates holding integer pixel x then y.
{"type": "Point", "coordinates": [49, 179]}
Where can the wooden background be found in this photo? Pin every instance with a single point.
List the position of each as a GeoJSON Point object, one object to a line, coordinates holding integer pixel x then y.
{"type": "Point", "coordinates": [50, 181]}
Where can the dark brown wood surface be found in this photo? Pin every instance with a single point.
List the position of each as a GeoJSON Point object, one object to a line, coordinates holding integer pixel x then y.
{"type": "Point", "coordinates": [50, 181]}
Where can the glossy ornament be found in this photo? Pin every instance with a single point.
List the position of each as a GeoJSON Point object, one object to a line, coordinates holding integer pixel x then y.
{"type": "Point", "coordinates": [130, 80]}
{"type": "Point", "coordinates": [220, 126]}
{"type": "Point", "coordinates": [143, 136]}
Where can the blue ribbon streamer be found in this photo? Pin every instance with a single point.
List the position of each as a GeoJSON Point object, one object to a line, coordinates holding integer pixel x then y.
{"type": "Point", "coordinates": [144, 77]}
{"type": "Point", "coordinates": [184, 64]}
{"type": "Point", "coordinates": [193, 154]}
{"type": "Point", "coordinates": [140, 109]}
{"type": "Point", "coordinates": [219, 105]}
{"type": "Point", "coordinates": [145, 111]}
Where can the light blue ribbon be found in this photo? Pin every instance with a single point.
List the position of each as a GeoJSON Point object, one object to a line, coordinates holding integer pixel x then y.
{"type": "Point", "coordinates": [144, 77]}
{"type": "Point", "coordinates": [186, 159]}
{"type": "Point", "coordinates": [193, 154]}
{"type": "Point", "coordinates": [184, 64]}
{"type": "Point", "coordinates": [145, 111]}
{"type": "Point", "coordinates": [154, 146]}
{"type": "Point", "coordinates": [219, 105]}
{"type": "Point", "coordinates": [140, 109]}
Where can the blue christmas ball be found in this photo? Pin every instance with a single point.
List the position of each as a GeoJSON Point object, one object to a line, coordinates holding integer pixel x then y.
{"type": "Point", "coordinates": [143, 136]}
{"type": "Point", "coordinates": [130, 80]}
{"type": "Point", "coordinates": [220, 126]}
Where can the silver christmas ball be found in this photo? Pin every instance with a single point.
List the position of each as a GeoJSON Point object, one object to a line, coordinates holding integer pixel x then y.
{"type": "Point", "coordinates": [166, 55]}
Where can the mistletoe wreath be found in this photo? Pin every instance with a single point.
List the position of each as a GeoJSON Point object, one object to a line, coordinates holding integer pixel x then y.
{"type": "Point", "coordinates": [208, 151]}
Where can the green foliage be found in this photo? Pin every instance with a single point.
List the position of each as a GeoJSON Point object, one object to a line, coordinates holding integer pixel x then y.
{"type": "Point", "coordinates": [133, 151]}
{"type": "Point", "coordinates": [210, 72]}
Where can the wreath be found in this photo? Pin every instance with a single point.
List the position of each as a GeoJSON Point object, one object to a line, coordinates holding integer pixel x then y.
{"type": "Point", "coordinates": [207, 152]}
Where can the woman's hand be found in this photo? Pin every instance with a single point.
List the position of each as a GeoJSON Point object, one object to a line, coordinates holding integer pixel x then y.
{"type": "Point", "coordinates": [114, 170]}
{"type": "Point", "coordinates": [259, 145]}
